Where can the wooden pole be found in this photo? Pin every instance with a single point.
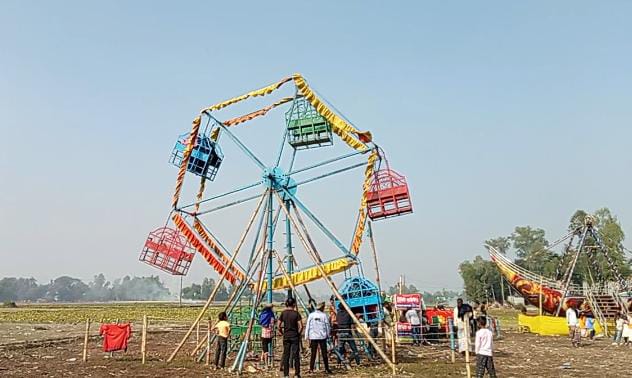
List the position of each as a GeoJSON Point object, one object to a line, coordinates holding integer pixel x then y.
{"type": "Point", "coordinates": [211, 297]}
{"type": "Point", "coordinates": [316, 258]}
{"type": "Point", "coordinates": [85, 341]}
{"type": "Point", "coordinates": [375, 261]}
{"type": "Point", "coordinates": [540, 297]}
{"type": "Point", "coordinates": [143, 339]}
{"type": "Point", "coordinates": [208, 344]}
{"type": "Point", "coordinates": [197, 334]}
{"type": "Point", "coordinates": [393, 342]}
{"type": "Point", "coordinates": [502, 290]}
{"type": "Point", "coordinates": [452, 342]}
{"type": "Point", "coordinates": [466, 327]}
{"type": "Point", "coordinates": [112, 353]}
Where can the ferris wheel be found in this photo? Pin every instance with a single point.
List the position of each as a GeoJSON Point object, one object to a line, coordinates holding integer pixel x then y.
{"type": "Point", "coordinates": [310, 123]}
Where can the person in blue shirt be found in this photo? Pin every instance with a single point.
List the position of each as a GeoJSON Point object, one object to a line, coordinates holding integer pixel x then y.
{"type": "Point", "coordinates": [590, 327]}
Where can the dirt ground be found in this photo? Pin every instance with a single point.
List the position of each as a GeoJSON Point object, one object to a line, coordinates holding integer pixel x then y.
{"type": "Point", "coordinates": [516, 355]}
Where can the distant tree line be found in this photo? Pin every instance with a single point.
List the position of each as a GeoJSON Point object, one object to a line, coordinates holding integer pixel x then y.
{"type": "Point", "coordinates": [532, 251]}
{"type": "Point", "coordinates": [203, 291]}
{"type": "Point", "coordinates": [68, 289]}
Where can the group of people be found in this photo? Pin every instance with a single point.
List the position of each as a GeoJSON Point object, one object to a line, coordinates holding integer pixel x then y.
{"type": "Point", "coordinates": [472, 321]}
{"type": "Point", "coordinates": [320, 329]}
{"type": "Point", "coordinates": [337, 331]}
{"type": "Point", "coordinates": [623, 330]}
{"type": "Point", "coordinates": [581, 324]}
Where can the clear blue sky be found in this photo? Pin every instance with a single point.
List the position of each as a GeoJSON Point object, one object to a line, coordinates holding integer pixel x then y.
{"type": "Point", "coordinates": [499, 113]}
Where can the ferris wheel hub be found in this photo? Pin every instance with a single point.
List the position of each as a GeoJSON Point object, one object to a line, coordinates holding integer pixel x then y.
{"type": "Point", "coordinates": [275, 178]}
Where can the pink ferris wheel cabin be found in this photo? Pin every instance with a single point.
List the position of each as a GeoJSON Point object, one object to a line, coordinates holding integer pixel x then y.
{"type": "Point", "coordinates": [389, 195]}
{"type": "Point", "coordinates": [167, 250]}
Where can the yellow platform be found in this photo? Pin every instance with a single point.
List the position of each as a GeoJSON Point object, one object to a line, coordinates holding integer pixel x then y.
{"type": "Point", "coordinates": [547, 325]}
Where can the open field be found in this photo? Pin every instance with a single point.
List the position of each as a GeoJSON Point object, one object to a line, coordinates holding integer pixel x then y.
{"type": "Point", "coordinates": [517, 355]}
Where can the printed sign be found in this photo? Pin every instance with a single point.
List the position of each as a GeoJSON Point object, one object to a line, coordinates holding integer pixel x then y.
{"type": "Point", "coordinates": [402, 301]}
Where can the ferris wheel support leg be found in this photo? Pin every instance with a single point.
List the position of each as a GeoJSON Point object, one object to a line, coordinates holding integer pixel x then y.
{"type": "Point", "coordinates": [270, 241]}
{"type": "Point", "coordinates": [288, 246]}
{"type": "Point", "coordinates": [222, 277]}
{"type": "Point", "coordinates": [318, 223]}
{"type": "Point", "coordinates": [313, 254]}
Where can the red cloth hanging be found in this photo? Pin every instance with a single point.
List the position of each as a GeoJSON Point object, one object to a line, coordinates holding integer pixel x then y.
{"type": "Point", "coordinates": [115, 336]}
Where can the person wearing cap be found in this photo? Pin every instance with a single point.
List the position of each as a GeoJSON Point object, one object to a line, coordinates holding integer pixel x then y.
{"type": "Point", "coordinates": [317, 331]}
{"type": "Point", "coordinates": [266, 321]}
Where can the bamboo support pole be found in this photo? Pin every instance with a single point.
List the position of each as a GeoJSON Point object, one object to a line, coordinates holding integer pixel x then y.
{"type": "Point", "coordinates": [197, 334]}
{"type": "Point", "coordinates": [236, 289]}
{"type": "Point", "coordinates": [394, 342]}
{"type": "Point", "coordinates": [315, 257]}
{"type": "Point", "coordinates": [466, 327]}
{"type": "Point", "coordinates": [239, 361]}
{"type": "Point", "coordinates": [85, 341]}
{"type": "Point", "coordinates": [211, 297]}
{"type": "Point", "coordinates": [208, 343]}
{"type": "Point", "coordinates": [143, 340]}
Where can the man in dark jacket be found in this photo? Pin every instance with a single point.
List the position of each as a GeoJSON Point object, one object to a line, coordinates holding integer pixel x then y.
{"type": "Point", "coordinates": [291, 326]}
{"type": "Point", "coordinates": [345, 333]}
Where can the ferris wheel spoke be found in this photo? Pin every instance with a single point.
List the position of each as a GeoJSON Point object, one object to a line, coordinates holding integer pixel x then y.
{"type": "Point", "coordinates": [250, 186]}
{"type": "Point", "coordinates": [239, 143]}
{"type": "Point", "coordinates": [328, 161]}
{"type": "Point", "coordinates": [328, 174]}
{"type": "Point", "coordinates": [234, 203]}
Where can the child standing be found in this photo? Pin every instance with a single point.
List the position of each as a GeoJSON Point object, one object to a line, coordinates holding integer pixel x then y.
{"type": "Point", "coordinates": [590, 327]}
{"type": "Point", "coordinates": [483, 347]}
{"type": "Point", "coordinates": [619, 324]}
{"type": "Point", "coordinates": [223, 331]}
{"type": "Point", "coordinates": [266, 321]}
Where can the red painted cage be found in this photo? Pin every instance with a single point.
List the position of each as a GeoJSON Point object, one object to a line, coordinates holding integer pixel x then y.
{"type": "Point", "coordinates": [388, 195]}
{"type": "Point", "coordinates": [167, 250]}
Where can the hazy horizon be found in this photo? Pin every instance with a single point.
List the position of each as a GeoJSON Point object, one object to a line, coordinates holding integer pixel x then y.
{"type": "Point", "coordinates": [499, 114]}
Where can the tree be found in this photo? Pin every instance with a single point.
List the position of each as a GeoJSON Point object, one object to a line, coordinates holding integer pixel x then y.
{"type": "Point", "coordinates": [20, 289]}
{"type": "Point", "coordinates": [532, 250]}
{"type": "Point", "coordinates": [192, 292]}
{"type": "Point", "coordinates": [66, 289]}
{"type": "Point", "coordinates": [100, 289]}
{"type": "Point", "coordinates": [592, 262]}
{"type": "Point", "coordinates": [480, 278]}
{"type": "Point", "coordinates": [410, 289]}
{"type": "Point", "coordinates": [501, 244]}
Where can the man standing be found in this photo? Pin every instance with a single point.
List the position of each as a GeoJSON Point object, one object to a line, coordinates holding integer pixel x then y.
{"type": "Point", "coordinates": [291, 326]}
{"type": "Point", "coordinates": [461, 316]}
{"type": "Point", "coordinates": [415, 324]}
{"type": "Point", "coordinates": [317, 331]}
{"type": "Point", "coordinates": [573, 325]}
{"type": "Point", "coordinates": [345, 333]}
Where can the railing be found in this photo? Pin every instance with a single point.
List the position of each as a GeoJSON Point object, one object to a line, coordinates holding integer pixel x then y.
{"type": "Point", "coordinates": [596, 310]}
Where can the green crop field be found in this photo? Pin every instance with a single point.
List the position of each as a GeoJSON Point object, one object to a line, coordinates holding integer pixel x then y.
{"type": "Point", "coordinates": [75, 313]}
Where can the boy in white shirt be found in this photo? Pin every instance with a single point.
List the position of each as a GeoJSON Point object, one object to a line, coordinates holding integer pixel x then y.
{"type": "Point", "coordinates": [619, 324]}
{"type": "Point", "coordinates": [573, 325]}
{"type": "Point", "coordinates": [483, 347]}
